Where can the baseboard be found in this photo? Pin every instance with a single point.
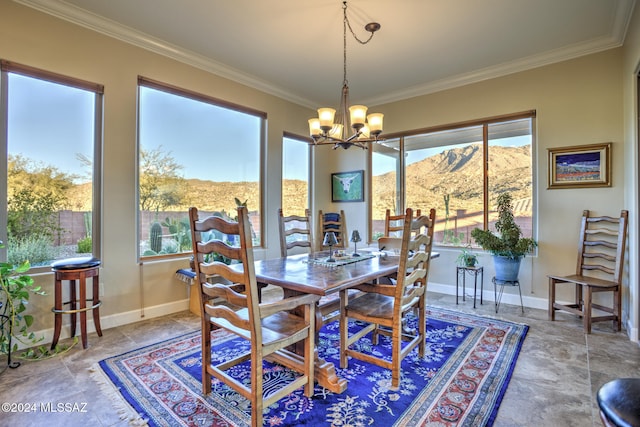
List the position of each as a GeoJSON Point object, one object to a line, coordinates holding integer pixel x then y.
{"type": "Point", "coordinates": [113, 320]}
{"type": "Point", "coordinates": [488, 295]}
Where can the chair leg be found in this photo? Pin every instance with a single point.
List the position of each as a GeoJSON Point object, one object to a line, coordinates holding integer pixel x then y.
{"type": "Point", "coordinates": [396, 337]}
{"type": "Point", "coordinates": [206, 355]}
{"type": "Point", "coordinates": [344, 330]}
{"type": "Point", "coordinates": [72, 305]}
{"type": "Point", "coordinates": [83, 312]}
{"type": "Point", "coordinates": [617, 308]}
{"type": "Point", "coordinates": [256, 385]}
{"type": "Point", "coordinates": [552, 299]}
{"type": "Point", "coordinates": [96, 299]}
{"type": "Point", "coordinates": [586, 309]}
{"type": "Point", "coordinates": [309, 351]}
{"type": "Point", "coordinates": [57, 317]}
{"type": "Point", "coordinates": [422, 327]}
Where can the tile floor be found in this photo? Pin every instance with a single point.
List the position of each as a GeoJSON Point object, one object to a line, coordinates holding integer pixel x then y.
{"type": "Point", "coordinates": [554, 383]}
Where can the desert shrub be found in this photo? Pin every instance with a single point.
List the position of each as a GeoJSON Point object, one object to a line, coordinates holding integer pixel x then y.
{"type": "Point", "coordinates": [85, 246]}
{"type": "Point", "coordinates": [36, 248]}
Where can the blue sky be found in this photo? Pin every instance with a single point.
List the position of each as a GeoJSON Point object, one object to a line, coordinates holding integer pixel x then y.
{"type": "Point", "coordinates": [46, 119]}
{"type": "Point", "coordinates": [52, 124]}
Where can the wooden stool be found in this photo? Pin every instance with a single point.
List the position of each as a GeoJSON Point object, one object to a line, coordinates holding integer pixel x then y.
{"type": "Point", "coordinates": [619, 402]}
{"type": "Point", "coordinates": [76, 269]}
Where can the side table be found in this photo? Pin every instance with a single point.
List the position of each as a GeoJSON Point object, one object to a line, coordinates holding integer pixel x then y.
{"type": "Point", "coordinates": [502, 284]}
{"type": "Point", "coordinates": [472, 271]}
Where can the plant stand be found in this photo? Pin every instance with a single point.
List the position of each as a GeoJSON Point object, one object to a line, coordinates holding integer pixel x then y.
{"type": "Point", "coordinates": [6, 327]}
{"type": "Point", "coordinates": [502, 284]}
{"type": "Point", "coordinates": [475, 272]}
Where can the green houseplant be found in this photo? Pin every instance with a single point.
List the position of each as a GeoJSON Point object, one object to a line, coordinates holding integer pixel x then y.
{"type": "Point", "coordinates": [508, 247]}
{"type": "Point", "coordinates": [466, 258]}
{"type": "Point", "coordinates": [15, 289]}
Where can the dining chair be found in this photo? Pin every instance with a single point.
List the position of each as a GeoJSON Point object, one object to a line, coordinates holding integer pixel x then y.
{"type": "Point", "coordinates": [392, 241]}
{"type": "Point", "coordinates": [329, 305]}
{"type": "Point", "coordinates": [269, 327]}
{"type": "Point", "coordinates": [336, 222]}
{"type": "Point", "coordinates": [384, 307]}
{"type": "Point", "coordinates": [295, 231]}
{"type": "Point", "coordinates": [601, 251]}
{"type": "Point", "coordinates": [393, 224]}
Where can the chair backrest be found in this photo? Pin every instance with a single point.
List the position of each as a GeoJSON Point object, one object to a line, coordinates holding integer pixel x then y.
{"type": "Point", "coordinates": [393, 228]}
{"type": "Point", "coordinates": [205, 234]}
{"type": "Point", "coordinates": [332, 221]}
{"type": "Point", "coordinates": [295, 231]}
{"type": "Point", "coordinates": [602, 245]}
{"type": "Point", "coordinates": [393, 224]}
{"type": "Point", "coordinates": [415, 258]}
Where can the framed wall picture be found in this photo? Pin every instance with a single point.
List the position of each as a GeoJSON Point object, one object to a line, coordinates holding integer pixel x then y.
{"type": "Point", "coordinates": [580, 166]}
{"type": "Point", "coordinates": [347, 186]}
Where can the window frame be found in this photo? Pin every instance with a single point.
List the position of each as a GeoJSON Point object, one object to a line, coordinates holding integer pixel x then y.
{"type": "Point", "coordinates": [301, 140]}
{"type": "Point", "coordinates": [7, 67]}
{"type": "Point", "coordinates": [485, 123]}
{"type": "Point", "coordinates": [217, 102]}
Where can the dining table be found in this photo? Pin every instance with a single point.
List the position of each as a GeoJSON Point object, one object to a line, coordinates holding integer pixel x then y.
{"type": "Point", "coordinates": [312, 274]}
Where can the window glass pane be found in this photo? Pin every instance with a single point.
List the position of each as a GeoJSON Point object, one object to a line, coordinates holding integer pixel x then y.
{"type": "Point", "coordinates": [510, 171]}
{"type": "Point", "coordinates": [444, 171]}
{"type": "Point", "coordinates": [193, 153]}
{"type": "Point", "coordinates": [385, 183]}
{"type": "Point", "coordinates": [295, 176]}
{"type": "Point", "coordinates": [50, 170]}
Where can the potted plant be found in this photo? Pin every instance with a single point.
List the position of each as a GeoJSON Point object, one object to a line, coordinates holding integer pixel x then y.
{"type": "Point", "coordinates": [508, 247]}
{"type": "Point", "coordinates": [467, 258]}
{"type": "Point", "coordinates": [15, 289]}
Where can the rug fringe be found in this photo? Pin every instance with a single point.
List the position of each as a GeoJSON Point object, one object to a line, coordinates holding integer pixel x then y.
{"type": "Point", "coordinates": [124, 410]}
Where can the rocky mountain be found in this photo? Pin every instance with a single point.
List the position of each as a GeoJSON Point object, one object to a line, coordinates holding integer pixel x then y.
{"type": "Point", "coordinates": [456, 173]}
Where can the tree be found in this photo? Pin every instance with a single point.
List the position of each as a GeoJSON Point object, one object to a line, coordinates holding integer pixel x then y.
{"type": "Point", "coordinates": [35, 193]}
{"type": "Point", "coordinates": [161, 184]}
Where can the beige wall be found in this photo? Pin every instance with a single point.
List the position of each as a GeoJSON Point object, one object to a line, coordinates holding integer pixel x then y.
{"type": "Point", "coordinates": [630, 68]}
{"type": "Point", "coordinates": [578, 102]}
{"type": "Point", "coordinates": [39, 40]}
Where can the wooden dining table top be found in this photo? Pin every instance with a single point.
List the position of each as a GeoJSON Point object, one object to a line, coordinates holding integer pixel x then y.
{"type": "Point", "coordinates": [298, 273]}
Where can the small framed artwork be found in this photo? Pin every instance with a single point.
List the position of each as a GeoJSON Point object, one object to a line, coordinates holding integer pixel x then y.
{"type": "Point", "coordinates": [347, 186]}
{"type": "Point", "coordinates": [580, 166]}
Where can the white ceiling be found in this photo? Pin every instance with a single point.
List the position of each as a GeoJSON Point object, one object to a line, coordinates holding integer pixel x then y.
{"type": "Point", "coordinates": [293, 48]}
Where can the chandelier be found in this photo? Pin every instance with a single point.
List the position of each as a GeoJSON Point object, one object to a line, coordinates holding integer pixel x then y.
{"type": "Point", "coordinates": [332, 128]}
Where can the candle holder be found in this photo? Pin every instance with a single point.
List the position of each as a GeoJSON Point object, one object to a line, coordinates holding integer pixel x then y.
{"type": "Point", "coordinates": [330, 240]}
{"type": "Point", "coordinates": [355, 238]}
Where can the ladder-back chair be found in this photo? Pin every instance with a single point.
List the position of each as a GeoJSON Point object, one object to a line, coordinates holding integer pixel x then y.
{"type": "Point", "coordinates": [384, 306]}
{"type": "Point", "coordinates": [336, 222]}
{"type": "Point", "coordinates": [295, 231]}
{"type": "Point", "coordinates": [393, 224]}
{"type": "Point", "coordinates": [601, 251]}
{"type": "Point", "coordinates": [328, 306]}
{"type": "Point", "coordinates": [269, 327]}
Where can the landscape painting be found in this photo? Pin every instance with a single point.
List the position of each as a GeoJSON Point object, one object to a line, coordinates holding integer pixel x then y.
{"type": "Point", "coordinates": [580, 166]}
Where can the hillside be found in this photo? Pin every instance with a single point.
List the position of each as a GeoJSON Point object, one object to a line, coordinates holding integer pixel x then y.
{"type": "Point", "coordinates": [455, 172]}
{"type": "Point", "coordinates": [458, 173]}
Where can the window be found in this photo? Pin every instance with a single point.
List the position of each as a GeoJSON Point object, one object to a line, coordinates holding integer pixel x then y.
{"type": "Point", "coordinates": [53, 142]}
{"type": "Point", "coordinates": [194, 150]}
{"type": "Point", "coordinates": [444, 168]}
{"type": "Point", "coordinates": [295, 175]}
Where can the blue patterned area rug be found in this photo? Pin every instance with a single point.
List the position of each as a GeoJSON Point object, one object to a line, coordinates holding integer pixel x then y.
{"type": "Point", "coordinates": [461, 381]}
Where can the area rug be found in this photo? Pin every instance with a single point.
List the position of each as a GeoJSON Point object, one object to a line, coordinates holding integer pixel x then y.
{"type": "Point", "coordinates": [461, 380]}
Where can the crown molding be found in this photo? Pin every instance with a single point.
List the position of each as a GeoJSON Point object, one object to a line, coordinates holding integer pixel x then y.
{"type": "Point", "coordinates": [83, 18]}
{"type": "Point", "coordinates": [500, 70]}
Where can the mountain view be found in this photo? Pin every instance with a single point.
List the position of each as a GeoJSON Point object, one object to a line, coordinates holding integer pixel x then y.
{"type": "Point", "coordinates": [456, 172]}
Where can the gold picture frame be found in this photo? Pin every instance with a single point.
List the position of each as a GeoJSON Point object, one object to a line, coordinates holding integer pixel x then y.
{"type": "Point", "coordinates": [580, 166]}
